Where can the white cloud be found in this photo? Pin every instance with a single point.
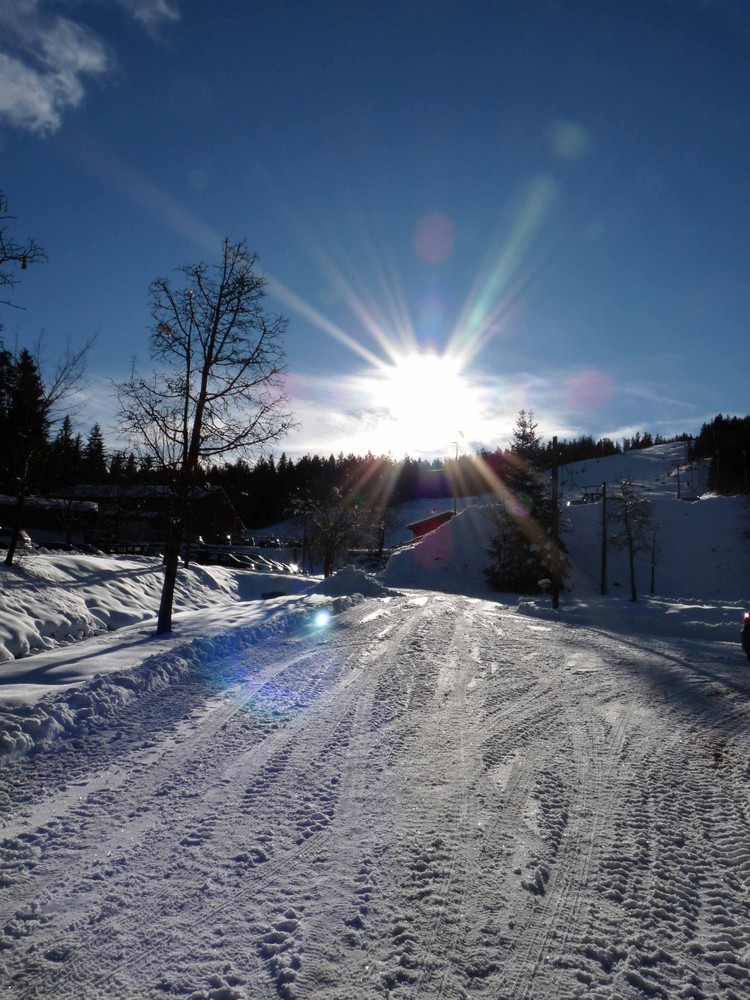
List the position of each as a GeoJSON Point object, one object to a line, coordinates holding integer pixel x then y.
{"type": "Point", "coordinates": [27, 99]}
{"type": "Point", "coordinates": [151, 14]}
{"type": "Point", "coordinates": [46, 59]}
{"type": "Point", "coordinates": [43, 67]}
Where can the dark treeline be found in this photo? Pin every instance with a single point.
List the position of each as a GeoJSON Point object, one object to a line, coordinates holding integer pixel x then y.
{"type": "Point", "coordinates": [726, 442]}
{"type": "Point", "coordinates": [585, 447]}
{"type": "Point", "coordinates": [273, 490]}
{"type": "Point", "coordinates": [42, 458]}
{"type": "Point", "coordinates": [34, 458]}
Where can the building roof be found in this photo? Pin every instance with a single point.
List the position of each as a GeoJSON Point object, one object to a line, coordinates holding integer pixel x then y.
{"type": "Point", "coordinates": [430, 523]}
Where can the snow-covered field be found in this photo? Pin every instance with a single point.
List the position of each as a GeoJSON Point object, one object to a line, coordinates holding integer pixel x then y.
{"type": "Point", "coordinates": [392, 787]}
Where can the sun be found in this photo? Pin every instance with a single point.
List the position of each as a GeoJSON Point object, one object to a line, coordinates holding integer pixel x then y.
{"type": "Point", "coordinates": [427, 401]}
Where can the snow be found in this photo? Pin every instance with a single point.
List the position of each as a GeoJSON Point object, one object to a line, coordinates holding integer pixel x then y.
{"type": "Point", "coordinates": [351, 580]}
{"type": "Point", "coordinates": [390, 786]}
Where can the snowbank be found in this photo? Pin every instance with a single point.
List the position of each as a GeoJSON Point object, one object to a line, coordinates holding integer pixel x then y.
{"type": "Point", "coordinates": [351, 580]}
{"type": "Point", "coordinates": [34, 711]}
{"type": "Point", "coordinates": [51, 600]}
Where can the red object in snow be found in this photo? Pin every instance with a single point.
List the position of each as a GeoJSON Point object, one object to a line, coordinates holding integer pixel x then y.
{"type": "Point", "coordinates": [745, 634]}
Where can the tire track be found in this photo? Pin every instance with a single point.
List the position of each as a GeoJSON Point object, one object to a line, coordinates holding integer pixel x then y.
{"type": "Point", "coordinates": [170, 839]}
{"type": "Point", "coordinates": [433, 801]}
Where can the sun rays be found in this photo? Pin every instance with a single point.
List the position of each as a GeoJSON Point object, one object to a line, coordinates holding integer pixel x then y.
{"type": "Point", "coordinates": [433, 369]}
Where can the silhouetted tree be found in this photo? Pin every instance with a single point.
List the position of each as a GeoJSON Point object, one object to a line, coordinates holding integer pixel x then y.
{"type": "Point", "coordinates": [94, 465]}
{"type": "Point", "coordinates": [522, 551]}
{"type": "Point", "coordinates": [219, 387]}
{"type": "Point", "coordinates": [630, 527]}
{"type": "Point", "coordinates": [66, 454]}
{"type": "Point", "coordinates": [28, 427]}
{"type": "Point", "coordinates": [526, 443]}
{"type": "Point", "coordinates": [28, 400]}
{"type": "Point", "coordinates": [725, 441]}
{"type": "Point", "coordinates": [333, 524]}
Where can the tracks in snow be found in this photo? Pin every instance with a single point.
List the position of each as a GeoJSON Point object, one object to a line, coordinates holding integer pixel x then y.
{"type": "Point", "coordinates": [437, 798]}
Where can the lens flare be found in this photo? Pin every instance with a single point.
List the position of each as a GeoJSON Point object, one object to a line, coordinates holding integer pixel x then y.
{"type": "Point", "coordinates": [322, 618]}
{"type": "Point", "coordinates": [433, 238]}
{"type": "Point", "coordinates": [505, 271]}
{"type": "Point", "coordinates": [588, 390]}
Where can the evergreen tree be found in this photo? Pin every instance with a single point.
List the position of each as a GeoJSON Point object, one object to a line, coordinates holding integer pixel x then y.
{"type": "Point", "coordinates": [131, 472]}
{"type": "Point", "coordinates": [526, 443]}
{"type": "Point", "coordinates": [725, 441]}
{"type": "Point", "coordinates": [116, 470]}
{"type": "Point", "coordinates": [522, 550]}
{"type": "Point", "coordinates": [147, 471]}
{"type": "Point", "coordinates": [65, 456]}
{"type": "Point", "coordinates": [27, 401]}
{"type": "Point", "coordinates": [94, 465]}
{"type": "Point", "coordinates": [26, 421]}
{"type": "Point", "coordinates": [65, 469]}
{"type": "Point", "coordinates": [27, 425]}
{"type": "Point", "coordinates": [7, 378]}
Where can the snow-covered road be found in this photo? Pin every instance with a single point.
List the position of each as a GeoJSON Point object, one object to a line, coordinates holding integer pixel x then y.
{"type": "Point", "coordinates": [431, 796]}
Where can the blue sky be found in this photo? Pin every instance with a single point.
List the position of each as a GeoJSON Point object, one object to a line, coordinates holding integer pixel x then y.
{"type": "Point", "coordinates": [463, 209]}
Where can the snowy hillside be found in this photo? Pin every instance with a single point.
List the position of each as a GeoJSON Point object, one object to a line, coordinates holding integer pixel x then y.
{"type": "Point", "coordinates": [703, 554]}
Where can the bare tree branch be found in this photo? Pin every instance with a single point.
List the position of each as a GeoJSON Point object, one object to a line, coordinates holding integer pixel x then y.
{"type": "Point", "coordinates": [14, 255]}
{"type": "Point", "coordinates": [65, 378]}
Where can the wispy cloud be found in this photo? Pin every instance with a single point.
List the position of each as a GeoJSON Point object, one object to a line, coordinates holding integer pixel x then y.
{"type": "Point", "coordinates": [151, 14]}
{"type": "Point", "coordinates": [356, 414]}
{"type": "Point", "coordinates": [47, 59]}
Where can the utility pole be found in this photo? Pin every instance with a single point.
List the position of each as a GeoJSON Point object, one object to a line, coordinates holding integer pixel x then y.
{"type": "Point", "coordinates": [555, 528]}
{"type": "Point", "coordinates": [455, 480]}
{"type": "Point", "coordinates": [604, 540]}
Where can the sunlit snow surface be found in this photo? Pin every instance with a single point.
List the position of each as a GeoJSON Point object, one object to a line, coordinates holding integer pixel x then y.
{"type": "Point", "coordinates": [395, 787]}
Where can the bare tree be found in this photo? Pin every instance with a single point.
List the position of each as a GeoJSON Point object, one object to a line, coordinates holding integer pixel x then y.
{"type": "Point", "coordinates": [630, 525]}
{"type": "Point", "coordinates": [382, 521]}
{"type": "Point", "coordinates": [14, 255]}
{"type": "Point", "coordinates": [335, 522]}
{"type": "Point", "coordinates": [218, 388]}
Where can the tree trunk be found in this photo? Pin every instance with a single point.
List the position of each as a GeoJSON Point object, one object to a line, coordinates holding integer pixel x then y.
{"type": "Point", "coordinates": [13, 542]}
{"type": "Point", "coordinates": [631, 563]}
{"type": "Point", "coordinates": [187, 533]}
{"type": "Point", "coordinates": [653, 566]}
{"type": "Point", "coordinates": [171, 561]}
